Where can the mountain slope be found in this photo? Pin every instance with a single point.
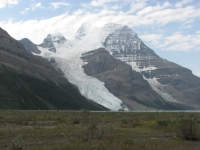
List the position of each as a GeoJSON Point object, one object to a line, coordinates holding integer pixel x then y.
{"type": "Point", "coordinates": [30, 46]}
{"type": "Point", "coordinates": [150, 82]}
{"type": "Point", "coordinates": [130, 76]}
{"type": "Point", "coordinates": [30, 82]}
{"type": "Point", "coordinates": [125, 83]}
{"type": "Point", "coordinates": [171, 81]}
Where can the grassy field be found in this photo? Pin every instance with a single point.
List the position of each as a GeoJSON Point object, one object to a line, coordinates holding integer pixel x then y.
{"type": "Point", "coordinates": [54, 130]}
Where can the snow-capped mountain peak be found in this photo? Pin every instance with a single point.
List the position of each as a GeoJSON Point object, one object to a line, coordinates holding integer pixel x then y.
{"type": "Point", "coordinates": [58, 39]}
{"type": "Point", "coordinates": [55, 40]}
{"type": "Point", "coordinates": [88, 29]}
{"type": "Point", "coordinates": [82, 31]}
{"type": "Point", "coordinates": [108, 29]}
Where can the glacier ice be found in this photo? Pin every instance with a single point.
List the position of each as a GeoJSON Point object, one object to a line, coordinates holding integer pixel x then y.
{"type": "Point", "coordinates": [68, 59]}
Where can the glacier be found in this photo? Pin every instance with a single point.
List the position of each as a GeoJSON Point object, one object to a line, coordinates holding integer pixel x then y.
{"type": "Point", "coordinates": [67, 57]}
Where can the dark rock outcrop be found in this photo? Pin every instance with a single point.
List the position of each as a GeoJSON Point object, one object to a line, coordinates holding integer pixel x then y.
{"type": "Point", "coordinates": [51, 39]}
{"type": "Point", "coordinates": [30, 46]}
{"type": "Point", "coordinates": [47, 43]}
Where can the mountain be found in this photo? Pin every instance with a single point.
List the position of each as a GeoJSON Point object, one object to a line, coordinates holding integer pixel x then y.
{"type": "Point", "coordinates": [67, 57]}
{"type": "Point", "coordinates": [30, 46]}
{"type": "Point", "coordinates": [113, 67]}
{"type": "Point", "coordinates": [29, 81]}
{"type": "Point", "coordinates": [123, 82]}
{"type": "Point", "coordinates": [171, 81]}
{"type": "Point", "coordinates": [52, 41]}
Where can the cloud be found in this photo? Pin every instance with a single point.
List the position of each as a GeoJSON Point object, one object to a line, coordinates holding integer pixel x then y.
{"type": "Point", "coordinates": [197, 72]}
{"type": "Point", "coordinates": [181, 42]}
{"type": "Point", "coordinates": [100, 3]}
{"type": "Point", "coordinates": [4, 3]}
{"type": "Point", "coordinates": [137, 5]}
{"type": "Point", "coordinates": [165, 16]}
{"type": "Point", "coordinates": [175, 42]}
{"type": "Point", "coordinates": [183, 2]}
{"type": "Point", "coordinates": [138, 14]}
{"type": "Point", "coordinates": [105, 4]}
{"type": "Point", "coordinates": [151, 9]}
{"type": "Point", "coordinates": [37, 30]}
{"type": "Point", "coordinates": [182, 46]}
{"type": "Point", "coordinates": [198, 32]}
{"type": "Point", "coordinates": [186, 26]}
{"type": "Point", "coordinates": [25, 11]}
{"type": "Point", "coordinates": [33, 7]}
{"type": "Point", "coordinates": [153, 38]}
{"type": "Point", "coordinates": [57, 5]}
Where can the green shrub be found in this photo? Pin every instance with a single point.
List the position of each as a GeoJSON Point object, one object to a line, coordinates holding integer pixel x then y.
{"type": "Point", "coordinates": [162, 122]}
{"type": "Point", "coordinates": [91, 132]}
{"type": "Point", "coordinates": [187, 128]}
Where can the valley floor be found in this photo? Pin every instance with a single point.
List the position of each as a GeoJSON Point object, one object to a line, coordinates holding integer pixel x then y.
{"type": "Point", "coordinates": [56, 130]}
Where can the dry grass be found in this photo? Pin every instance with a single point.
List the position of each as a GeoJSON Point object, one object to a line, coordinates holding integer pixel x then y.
{"type": "Point", "coordinates": [54, 130]}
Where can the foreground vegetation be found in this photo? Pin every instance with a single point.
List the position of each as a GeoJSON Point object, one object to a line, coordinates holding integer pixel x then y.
{"type": "Point", "coordinates": [54, 130]}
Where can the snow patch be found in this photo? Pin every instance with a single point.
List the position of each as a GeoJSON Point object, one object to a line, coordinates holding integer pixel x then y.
{"type": "Point", "coordinates": [160, 89]}
{"type": "Point", "coordinates": [150, 68]}
{"type": "Point", "coordinates": [156, 86]}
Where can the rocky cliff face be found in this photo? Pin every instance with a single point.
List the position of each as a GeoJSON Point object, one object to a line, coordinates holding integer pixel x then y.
{"type": "Point", "coordinates": [47, 43]}
{"type": "Point", "coordinates": [124, 44]}
{"type": "Point", "coordinates": [171, 81]}
{"type": "Point", "coordinates": [52, 41]}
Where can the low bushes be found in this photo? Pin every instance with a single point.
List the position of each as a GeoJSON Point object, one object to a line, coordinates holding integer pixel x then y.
{"type": "Point", "coordinates": [188, 128]}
